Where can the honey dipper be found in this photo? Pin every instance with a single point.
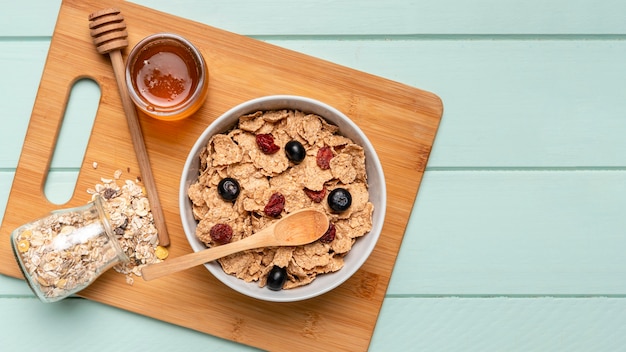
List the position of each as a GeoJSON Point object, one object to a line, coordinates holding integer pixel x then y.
{"type": "Point", "coordinates": [108, 30]}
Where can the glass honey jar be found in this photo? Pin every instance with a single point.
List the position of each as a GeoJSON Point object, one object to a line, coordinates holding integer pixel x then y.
{"type": "Point", "coordinates": [167, 76]}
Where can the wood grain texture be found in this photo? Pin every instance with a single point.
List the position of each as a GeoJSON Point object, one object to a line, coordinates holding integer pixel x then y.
{"type": "Point", "coordinates": [434, 324]}
{"type": "Point", "coordinates": [541, 232]}
{"type": "Point", "coordinates": [130, 332]}
{"type": "Point", "coordinates": [502, 324]}
{"type": "Point", "coordinates": [370, 17]}
{"type": "Point", "coordinates": [241, 68]}
{"type": "Point", "coordinates": [567, 109]}
{"type": "Point", "coordinates": [566, 137]}
{"type": "Point", "coordinates": [542, 103]}
{"type": "Point", "coordinates": [485, 233]}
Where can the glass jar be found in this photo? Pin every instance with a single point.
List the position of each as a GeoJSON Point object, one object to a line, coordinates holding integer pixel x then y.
{"type": "Point", "coordinates": [167, 77]}
{"type": "Point", "coordinates": [65, 251]}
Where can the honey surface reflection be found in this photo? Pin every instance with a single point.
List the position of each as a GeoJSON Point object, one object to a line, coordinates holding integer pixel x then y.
{"type": "Point", "coordinates": [167, 77]}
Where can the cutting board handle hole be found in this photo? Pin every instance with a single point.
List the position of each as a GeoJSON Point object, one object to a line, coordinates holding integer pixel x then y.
{"type": "Point", "coordinates": [72, 140]}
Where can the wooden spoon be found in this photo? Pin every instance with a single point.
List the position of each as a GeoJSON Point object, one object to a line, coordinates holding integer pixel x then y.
{"type": "Point", "coordinates": [298, 228]}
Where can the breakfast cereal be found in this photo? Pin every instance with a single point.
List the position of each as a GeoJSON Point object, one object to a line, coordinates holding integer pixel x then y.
{"type": "Point", "coordinates": [271, 183]}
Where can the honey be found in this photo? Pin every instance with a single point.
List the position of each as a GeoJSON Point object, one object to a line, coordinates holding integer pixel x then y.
{"type": "Point", "coordinates": [167, 77]}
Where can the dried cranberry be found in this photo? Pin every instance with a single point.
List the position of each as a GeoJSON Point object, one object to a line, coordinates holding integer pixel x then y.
{"type": "Point", "coordinates": [275, 205]}
{"type": "Point", "coordinates": [266, 143]}
{"type": "Point", "coordinates": [323, 157]}
{"type": "Point", "coordinates": [329, 235]}
{"type": "Point", "coordinates": [316, 196]}
{"type": "Point", "coordinates": [221, 233]}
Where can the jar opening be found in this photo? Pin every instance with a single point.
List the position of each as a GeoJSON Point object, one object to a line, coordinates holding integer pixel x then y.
{"type": "Point", "coordinates": [166, 76]}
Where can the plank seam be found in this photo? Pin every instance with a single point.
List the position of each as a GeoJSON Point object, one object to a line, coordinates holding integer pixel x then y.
{"type": "Point", "coordinates": [440, 37]}
{"type": "Point", "coordinates": [396, 37]}
{"type": "Point", "coordinates": [508, 295]}
{"type": "Point", "coordinates": [17, 38]}
{"type": "Point", "coordinates": [443, 169]}
{"type": "Point", "coordinates": [525, 168]}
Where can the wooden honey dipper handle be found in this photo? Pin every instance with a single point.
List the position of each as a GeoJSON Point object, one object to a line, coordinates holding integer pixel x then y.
{"type": "Point", "coordinates": [109, 34]}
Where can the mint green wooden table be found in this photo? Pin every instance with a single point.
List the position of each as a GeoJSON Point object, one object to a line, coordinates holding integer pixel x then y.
{"type": "Point", "coordinates": [517, 239]}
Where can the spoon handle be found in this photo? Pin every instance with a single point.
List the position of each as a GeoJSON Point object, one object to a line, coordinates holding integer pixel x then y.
{"type": "Point", "coordinates": [187, 261]}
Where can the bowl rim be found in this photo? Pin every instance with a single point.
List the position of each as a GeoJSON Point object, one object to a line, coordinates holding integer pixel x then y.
{"type": "Point", "coordinates": [222, 123]}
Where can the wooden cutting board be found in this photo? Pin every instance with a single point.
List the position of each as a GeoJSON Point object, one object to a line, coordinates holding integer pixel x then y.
{"type": "Point", "coordinates": [400, 121]}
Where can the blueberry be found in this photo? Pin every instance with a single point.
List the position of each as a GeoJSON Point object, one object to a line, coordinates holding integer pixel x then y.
{"type": "Point", "coordinates": [339, 199]}
{"type": "Point", "coordinates": [276, 278]}
{"type": "Point", "coordinates": [228, 189]}
{"type": "Point", "coordinates": [295, 151]}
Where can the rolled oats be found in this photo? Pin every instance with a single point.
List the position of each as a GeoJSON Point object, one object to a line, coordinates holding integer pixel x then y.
{"type": "Point", "coordinates": [132, 222]}
{"type": "Point", "coordinates": [62, 253]}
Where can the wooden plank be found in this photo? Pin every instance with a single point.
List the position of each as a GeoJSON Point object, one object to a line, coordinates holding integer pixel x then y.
{"type": "Point", "coordinates": [21, 65]}
{"type": "Point", "coordinates": [26, 19]}
{"type": "Point", "coordinates": [528, 232]}
{"type": "Point", "coordinates": [241, 68]}
{"type": "Point", "coordinates": [6, 180]}
{"type": "Point", "coordinates": [543, 103]}
{"type": "Point", "coordinates": [523, 233]}
{"type": "Point", "coordinates": [12, 287]}
{"type": "Point", "coordinates": [70, 326]}
{"type": "Point", "coordinates": [475, 80]}
{"type": "Point", "coordinates": [406, 324]}
{"type": "Point", "coordinates": [398, 17]}
{"type": "Point", "coordinates": [501, 324]}
{"type": "Point", "coordinates": [405, 17]}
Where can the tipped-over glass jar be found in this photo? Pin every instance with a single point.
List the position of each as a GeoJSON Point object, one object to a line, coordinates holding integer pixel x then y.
{"type": "Point", "coordinates": [166, 76]}
{"type": "Point", "coordinates": [65, 251]}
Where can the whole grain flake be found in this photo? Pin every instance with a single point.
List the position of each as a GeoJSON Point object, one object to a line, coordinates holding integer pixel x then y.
{"type": "Point", "coordinates": [236, 154]}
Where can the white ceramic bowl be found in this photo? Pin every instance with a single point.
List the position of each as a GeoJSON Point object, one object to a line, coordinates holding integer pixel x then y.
{"type": "Point", "coordinates": [377, 192]}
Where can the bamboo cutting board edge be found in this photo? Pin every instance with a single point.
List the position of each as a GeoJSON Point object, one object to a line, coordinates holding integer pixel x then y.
{"type": "Point", "coordinates": [362, 96]}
